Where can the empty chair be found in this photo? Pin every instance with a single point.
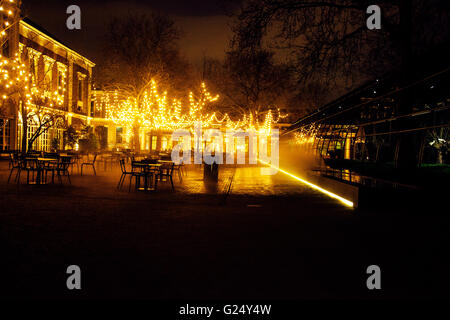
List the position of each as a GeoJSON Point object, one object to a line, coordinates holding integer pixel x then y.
{"type": "Point", "coordinates": [74, 161]}
{"type": "Point", "coordinates": [138, 171]}
{"type": "Point", "coordinates": [62, 169]}
{"type": "Point", "coordinates": [14, 165]}
{"type": "Point", "coordinates": [49, 167]}
{"type": "Point", "coordinates": [124, 173]}
{"type": "Point", "coordinates": [179, 168]}
{"type": "Point", "coordinates": [30, 166]}
{"type": "Point", "coordinates": [89, 164]}
{"type": "Point", "coordinates": [166, 171]}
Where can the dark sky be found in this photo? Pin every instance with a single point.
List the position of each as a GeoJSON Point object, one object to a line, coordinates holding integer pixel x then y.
{"type": "Point", "coordinates": [203, 22]}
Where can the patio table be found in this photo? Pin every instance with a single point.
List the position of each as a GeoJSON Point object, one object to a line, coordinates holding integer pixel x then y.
{"type": "Point", "coordinates": [41, 165]}
{"type": "Point", "coordinates": [73, 159]}
{"type": "Point", "coordinates": [146, 170]}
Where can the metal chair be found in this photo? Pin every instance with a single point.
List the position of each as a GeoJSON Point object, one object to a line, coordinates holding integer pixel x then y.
{"type": "Point", "coordinates": [166, 172]}
{"type": "Point", "coordinates": [137, 172]}
{"type": "Point", "coordinates": [124, 173]}
{"type": "Point", "coordinates": [30, 166]}
{"type": "Point", "coordinates": [62, 169]}
{"type": "Point", "coordinates": [74, 161]}
{"type": "Point", "coordinates": [14, 165]}
{"type": "Point", "coordinates": [178, 168]}
{"type": "Point", "coordinates": [91, 164]}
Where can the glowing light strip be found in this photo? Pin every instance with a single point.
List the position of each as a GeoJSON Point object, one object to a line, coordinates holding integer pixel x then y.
{"type": "Point", "coordinates": [328, 193]}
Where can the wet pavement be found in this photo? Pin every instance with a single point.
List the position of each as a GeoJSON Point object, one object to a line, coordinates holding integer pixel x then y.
{"type": "Point", "coordinates": [271, 237]}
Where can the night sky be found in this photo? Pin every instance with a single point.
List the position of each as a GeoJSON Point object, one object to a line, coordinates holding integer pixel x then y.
{"type": "Point", "coordinates": [203, 22]}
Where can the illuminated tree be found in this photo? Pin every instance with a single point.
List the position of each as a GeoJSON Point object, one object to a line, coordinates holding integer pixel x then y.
{"type": "Point", "coordinates": [33, 95]}
{"type": "Point", "coordinates": [152, 111]}
{"type": "Point", "coordinates": [156, 113]}
{"type": "Point", "coordinates": [139, 50]}
{"type": "Point", "coordinates": [440, 140]}
{"type": "Point", "coordinates": [9, 15]}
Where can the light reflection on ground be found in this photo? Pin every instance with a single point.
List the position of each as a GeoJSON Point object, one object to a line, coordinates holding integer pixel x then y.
{"type": "Point", "coordinates": [247, 180]}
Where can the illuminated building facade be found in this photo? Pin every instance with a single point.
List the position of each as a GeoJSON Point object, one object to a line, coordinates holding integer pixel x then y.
{"type": "Point", "coordinates": [57, 71]}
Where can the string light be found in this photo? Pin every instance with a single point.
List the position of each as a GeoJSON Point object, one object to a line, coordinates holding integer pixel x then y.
{"type": "Point", "coordinates": [306, 135]}
{"type": "Point", "coordinates": [16, 81]}
{"type": "Point", "coordinates": [8, 11]}
{"type": "Point", "coordinates": [154, 112]}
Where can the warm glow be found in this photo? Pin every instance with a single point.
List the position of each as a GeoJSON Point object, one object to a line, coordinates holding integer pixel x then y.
{"type": "Point", "coordinates": [306, 135]}
{"type": "Point", "coordinates": [156, 111]}
{"type": "Point", "coordinates": [316, 187]}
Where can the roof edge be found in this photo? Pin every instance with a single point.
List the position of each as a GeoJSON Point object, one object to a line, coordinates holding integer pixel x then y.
{"type": "Point", "coordinates": [41, 31]}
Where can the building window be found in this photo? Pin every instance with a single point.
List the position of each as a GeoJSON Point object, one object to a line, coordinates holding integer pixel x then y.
{"type": "Point", "coordinates": [154, 142]}
{"type": "Point", "coordinates": [81, 86]}
{"type": "Point", "coordinates": [119, 135]}
{"type": "Point", "coordinates": [92, 109]}
{"type": "Point", "coordinates": [34, 68]}
{"type": "Point", "coordinates": [48, 77]}
{"type": "Point", "coordinates": [80, 89]}
{"type": "Point", "coordinates": [60, 82]}
{"type": "Point", "coordinates": [164, 143]}
{"type": "Point", "coordinates": [48, 73]}
{"type": "Point", "coordinates": [61, 78]}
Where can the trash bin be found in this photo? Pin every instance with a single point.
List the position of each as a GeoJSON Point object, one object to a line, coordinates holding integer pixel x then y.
{"type": "Point", "coordinates": [211, 172]}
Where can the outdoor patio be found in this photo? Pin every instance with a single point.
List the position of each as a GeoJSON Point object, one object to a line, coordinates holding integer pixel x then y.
{"type": "Point", "coordinates": [272, 238]}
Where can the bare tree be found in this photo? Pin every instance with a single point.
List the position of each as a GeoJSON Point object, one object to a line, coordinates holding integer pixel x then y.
{"type": "Point", "coordinates": [140, 49]}
{"type": "Point", "coordinates": [328, 41]}
{"type": "Point", "coordinates": [250, 82]}
{"type": "Point", "coordinates": [329, 44]}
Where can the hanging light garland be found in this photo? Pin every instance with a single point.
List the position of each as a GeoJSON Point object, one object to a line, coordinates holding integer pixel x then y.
{"type": "Point", "coordinates": [16, 79]}
{"type": "Point", "coordinates": [306, 135]}
{"type": "Point", "coordinates": [154, 112]}
{"type": "Point", "coordinates": [8, 11]}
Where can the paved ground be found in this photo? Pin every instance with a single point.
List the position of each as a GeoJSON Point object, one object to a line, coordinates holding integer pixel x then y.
{"type": "Point", "coordinates": [272, 238]}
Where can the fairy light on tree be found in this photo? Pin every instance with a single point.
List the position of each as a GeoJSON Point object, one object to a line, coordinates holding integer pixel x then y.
{"type": "Point", "coordinates": [38, 101]}
{"type": "Point", "coordinates": [306, 135]}
{"type": "Point", "coordinates": [9, 15]}
{"type": "Point", "coordinates": [154, 113]}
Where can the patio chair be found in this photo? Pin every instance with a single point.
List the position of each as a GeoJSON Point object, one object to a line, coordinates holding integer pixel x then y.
{"type": "Point", "coordinates": [89, 164]}
{"type": "Point", "coordinates": [166, 172]}
{"type": "Point", "coordinates": [74, 160]}
{"type": "Point", "coordinates": [178, 168]}
{"type": "Point", "coordinates": [30, 166]}
{"type": "Point", "coordinates": [14, 165]}
{"type": "Point", "coordinates": [62, 169]}
{"type": "Point", "coordinates": [137, 172]}
{"type": "Point", "coordinates": [7, 156]}
{"type": "Point", "coordinates": [124, 173]}
{"type": "Point", "coordinates": [49, 167]}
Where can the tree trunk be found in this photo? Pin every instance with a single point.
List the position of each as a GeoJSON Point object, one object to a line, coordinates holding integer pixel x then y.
{"type": "Point", "coordinates": [440, 156]}
{"type": "Point", "coordinates": [136, 141]}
